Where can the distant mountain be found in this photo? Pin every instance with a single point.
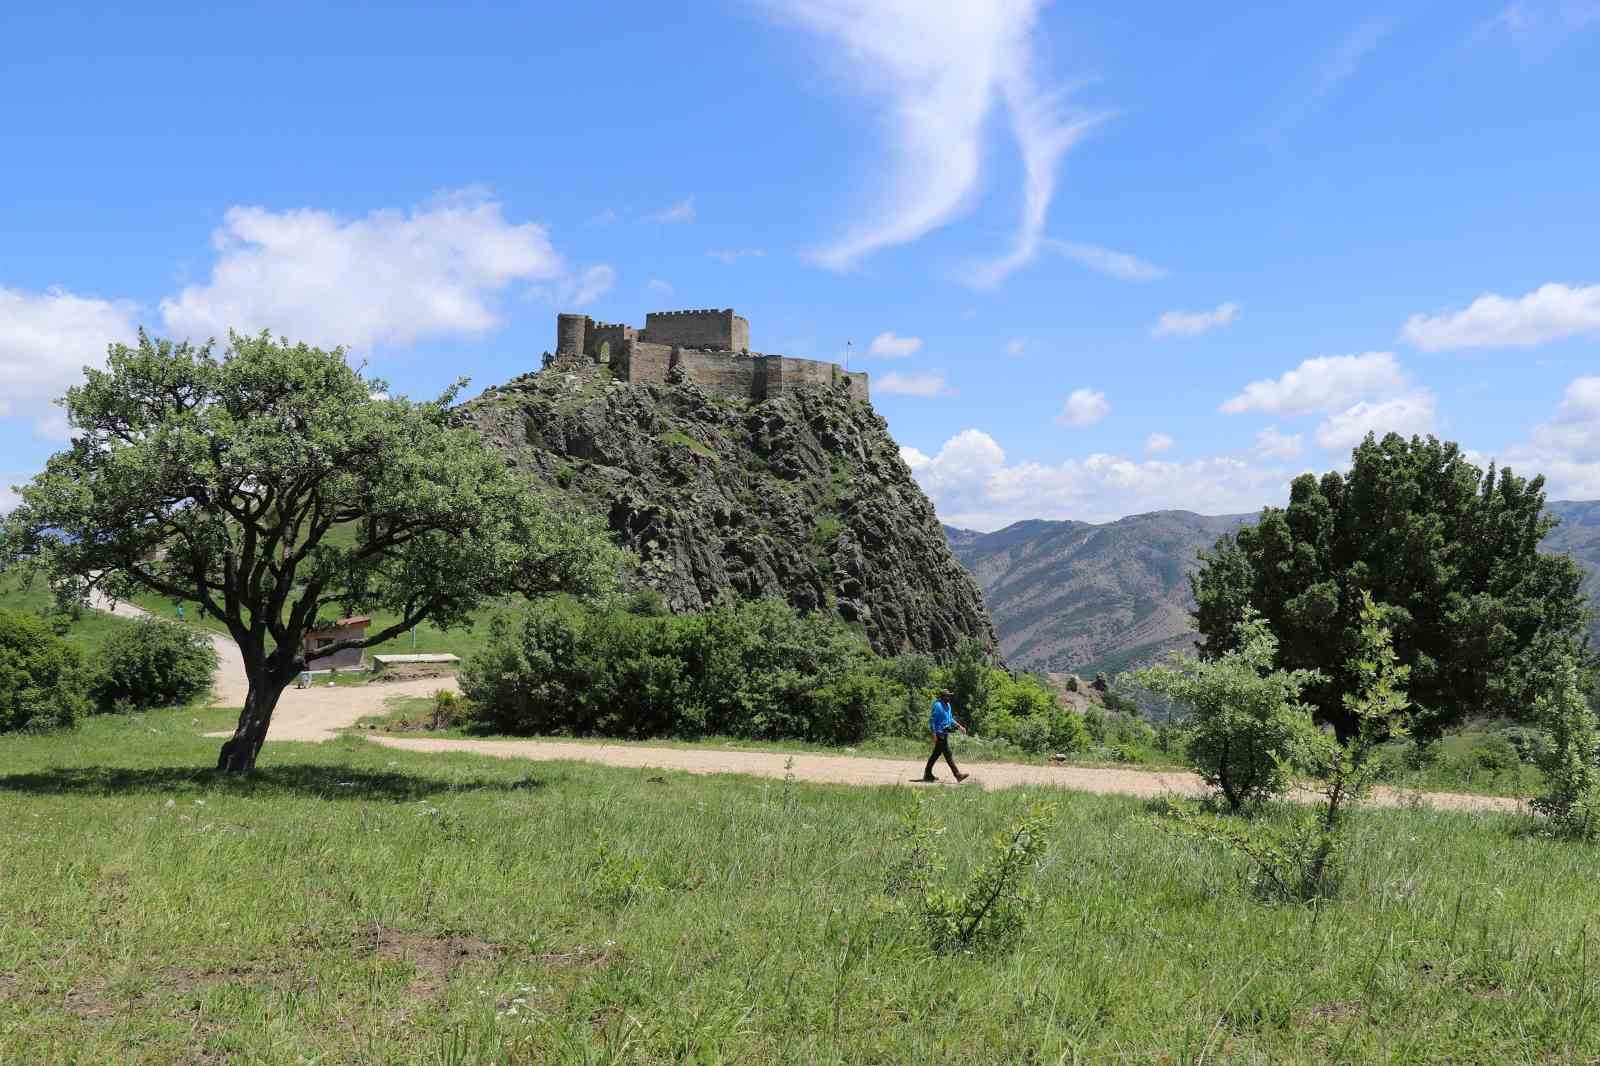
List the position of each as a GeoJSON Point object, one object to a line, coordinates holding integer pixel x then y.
{"type": "Point", "coordinates": [1072, 596]}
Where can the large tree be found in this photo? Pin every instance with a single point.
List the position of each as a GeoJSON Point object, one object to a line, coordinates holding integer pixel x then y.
{"type": "Point", "coordinates": [276, 484]}
{"type": "Point", "coordinates": [1477, 612]}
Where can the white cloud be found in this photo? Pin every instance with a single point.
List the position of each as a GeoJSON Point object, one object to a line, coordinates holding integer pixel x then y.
{"type": "Point", "coordinates": [1083, 408]}
{"type": "Point", "coordinates": [1549, 313]}
{"type": "Point", "coordinates": [1112, 264]}
{"type": "Point", "coordinates": [1413, 412]}
{"type": "Point", "coordinates": [924, 385]}
{"type": "Point", "coordinates": [46, 339]}
{"type": "Point", "coordinates": [1566, 449]}
{"type": "Point", "coordinates": [391, 277]}
{"type": "Point", "coordinates": [1274, 444]}
{"type": "Point", "coordinates": [973, 486]}
{"type": "Point", "coordinates": [589, 286]}
{"type": "Point", "coordinates": [731, 256]}
{"type": "Point", "coordinates": [892, 346]}
{"type": "Point", "coordinates": [940, 67]}
{"type": "Point", "coordinates": [657, 285]}
{"type": "Point", "coordinates": [8, 498]}
{"type": "Point", "coordinates": [1156, 443]}
{"type": "Point", "coordinates": [1194, 323]}
{"type": "Point", "coordinates": [1016, 346]}
{"type": "Point", "coordinates": [680, 212]}
{"type": "Point", "coordinates": [1326, 383]}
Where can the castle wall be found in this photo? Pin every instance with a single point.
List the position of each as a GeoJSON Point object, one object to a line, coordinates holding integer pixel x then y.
{"type": "Point", "coordinates": [642, 362]}
{"type": "Point", "coordinates": [858, 384]}
{"type": "Point", "coordinates": [720, 373]}
{"type": "Point", "coordinates": [610, 333]}
{"type": "Point", "coordinates": [570, 334]}
{"type": "Point", "coordinates": [783, 373]}
{"type": "Point", "coordinates": [722, 330]}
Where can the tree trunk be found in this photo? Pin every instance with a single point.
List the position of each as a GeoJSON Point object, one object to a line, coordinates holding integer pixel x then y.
{"type": "Point", "coordinates": [238, 755]}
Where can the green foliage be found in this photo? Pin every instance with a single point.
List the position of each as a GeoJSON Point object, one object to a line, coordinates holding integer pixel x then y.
{"type": "Point", "coordinates": [1025, 712]}
{"type": "Point", "coordinates": [1247, 726]}
{"type": "Point", "coordinates": [1301, 862]}
{"type": "Point", "coordinates": [970, 676]}
{"type": "Point", "coordinates": [919, 862]}
{"type": "Point", "coordinates": [1571, 801]}
{"type": "Point", "coordinates": [992, 910]}
{"type": "Point", "coordinates": [41, 676]}
{"type": "Point", "coordinates": [153, 663]}
{"type": "Point", "coordinates": [758, 669]}
{"type": "Point", "coordinates": [274, 486]}
{"type": "Point", "coordinates": [446, 710]}
{"type": "Point", "coordinates": [1452, 550]}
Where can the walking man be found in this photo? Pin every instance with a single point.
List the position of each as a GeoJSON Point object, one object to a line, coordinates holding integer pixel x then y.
{"type": "Point", "coordinates": [940, 722]}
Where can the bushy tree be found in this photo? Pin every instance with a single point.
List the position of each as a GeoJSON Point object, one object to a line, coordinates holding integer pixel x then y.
{"type": "Point", "coordinates": [276, 485]}
{"type": "Point", "coordinates": [41, 676]}
{"type": "Point", "coordinates": [1571, 764]}
{"type": "Point", "coordinates": [1247, 726]}
{"type": "Point", "coordinates": [152, 663]}
{"type": "Point", "coordinates": [1452, 552]}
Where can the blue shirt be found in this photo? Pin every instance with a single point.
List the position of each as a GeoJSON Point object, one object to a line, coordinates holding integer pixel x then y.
{"type": "Point", "coordinates": [941, 721]}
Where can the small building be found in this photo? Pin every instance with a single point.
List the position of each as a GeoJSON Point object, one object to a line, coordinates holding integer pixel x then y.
{"type": "Point", "coordinates": [344, 629]}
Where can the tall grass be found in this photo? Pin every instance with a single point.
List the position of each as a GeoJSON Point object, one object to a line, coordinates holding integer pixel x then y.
{"type": "Point", "coordinates": [357, 904]}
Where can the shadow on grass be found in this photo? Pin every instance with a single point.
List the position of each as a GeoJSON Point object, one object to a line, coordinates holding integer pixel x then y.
{"type": "Point", "coordinates": [326, 782]}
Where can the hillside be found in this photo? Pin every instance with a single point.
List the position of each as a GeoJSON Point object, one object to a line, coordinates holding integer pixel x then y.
{"type": "Point", "coordinates": [1081, 597]}
{"type": "Point", "coordinates": [803, 497]}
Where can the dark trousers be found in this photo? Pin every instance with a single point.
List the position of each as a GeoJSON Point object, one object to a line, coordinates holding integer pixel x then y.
{"type": "Point", "coordinates": [941, 746]}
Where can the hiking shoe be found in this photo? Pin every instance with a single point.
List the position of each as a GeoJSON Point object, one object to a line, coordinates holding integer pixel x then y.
{"type": "Point", "coordinates": [960, 777]}
{"type": "Point", "coordinates": [929, 779]}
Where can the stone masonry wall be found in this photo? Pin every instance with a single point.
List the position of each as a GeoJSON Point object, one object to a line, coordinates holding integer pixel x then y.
{"type": "Point", "coordinates": [607, 333]}
{"type": "Point", "coordinates": [643, 362]}
{"type": "Point", "coordinates": [722, 330]}
{"type": "Point", "coordinates": [783, 372]}
{"type": "Point", "coordinates": [721, 373]}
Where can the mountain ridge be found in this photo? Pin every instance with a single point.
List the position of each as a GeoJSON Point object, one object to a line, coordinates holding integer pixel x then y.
{"type": "Point", "coordinates": [1072, 596]}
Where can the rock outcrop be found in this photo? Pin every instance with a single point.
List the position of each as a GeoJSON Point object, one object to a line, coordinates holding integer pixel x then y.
{"type": "Point", "coordinates": [802, 497]}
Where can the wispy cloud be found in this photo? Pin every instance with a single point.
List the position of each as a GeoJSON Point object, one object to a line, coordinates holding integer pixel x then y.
{"type": "Point", "coordinates": [682, 211]}
{"type": "Point", "coordinates": [1194, 323]}
{"type": "Point", "coordinates": [46, 339]}
{"type": "Point", "coordinates": [1273, 443]}
{"type": "Point", "coordinates": [1549, 313]}
{"type": "Point", "coordinates": [924, 385]}
{"type": "Point", "coordinates": [733, 255]}
{"type": "Point", "coordinates": [657, 285]}
{"type": "Point", "coordinates": [893, 346]}
{"type": "Point", "coordinates": [940, 67]}
{"type": "Point", "coordinates": [1156, 443]}
{"type": "Point", "coordinates": [1112, 264]}
{"type": "Point", "coordinates": [1338, 65]}
{"type": "Point", "coordinates": [1017, 346]}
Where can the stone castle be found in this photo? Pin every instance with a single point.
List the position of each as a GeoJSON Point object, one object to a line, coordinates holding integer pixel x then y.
{"type": "Point", "coordinates": [709, 348]}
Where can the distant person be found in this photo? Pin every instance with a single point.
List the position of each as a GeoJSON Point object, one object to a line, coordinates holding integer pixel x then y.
{"type": "Point", "coordinates": [940, 722]}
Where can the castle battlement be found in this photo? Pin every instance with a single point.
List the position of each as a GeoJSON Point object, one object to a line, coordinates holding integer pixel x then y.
{"type": "Point", "coordinates": [710, 347]}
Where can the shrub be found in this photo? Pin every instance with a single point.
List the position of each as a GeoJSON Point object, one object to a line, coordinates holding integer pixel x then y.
{"type": "Point", "coordinates": [991, 912]}
{"type": "Point", "coordinates": [1571, 801]}
{"type": "Point", "coordinates": [1248, 727]}
{"type": "Point", "coordinates": [447, 710]}
{"type": "Point", "coordinates": [153, 663]}
{"type": "Point", "coordinates": [41, 676]}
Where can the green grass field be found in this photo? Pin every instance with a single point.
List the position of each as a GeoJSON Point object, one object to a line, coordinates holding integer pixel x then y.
{"type": "Point", "coordinates": [89, 630]}
{"type": "Point", "coordinates": [356, 904]}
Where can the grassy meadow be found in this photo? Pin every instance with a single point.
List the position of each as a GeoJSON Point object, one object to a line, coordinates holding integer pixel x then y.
{"type": "Point", "coordinates": [355, 904]}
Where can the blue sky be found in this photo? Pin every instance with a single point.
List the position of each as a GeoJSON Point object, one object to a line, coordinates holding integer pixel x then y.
{"type": "Point", "coordinates": [1099, 258]}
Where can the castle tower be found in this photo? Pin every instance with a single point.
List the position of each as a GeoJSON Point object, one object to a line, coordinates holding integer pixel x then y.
{"type": "Point", "coordinates": [571, 334]}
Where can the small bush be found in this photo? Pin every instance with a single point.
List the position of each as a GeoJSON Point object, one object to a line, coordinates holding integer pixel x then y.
{"type": "Point", "coordinates": [1571, 802]}
{"type": "Point", "coordinates": [1248, 728]}
{"type": "Point", "coordinates": [153, 663]}
{"type": "Point", "coordinates": [991, 912]}
{"type": "Point", "coordinates": [447, 710]}
{"type": "Point", "coordinates": [41, 676]}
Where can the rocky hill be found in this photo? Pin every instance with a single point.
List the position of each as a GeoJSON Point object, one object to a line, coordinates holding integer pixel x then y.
{"type": "Point", "coordinates": [1088, 598]}
{"type": "Point", "coordinates": [802, 497]}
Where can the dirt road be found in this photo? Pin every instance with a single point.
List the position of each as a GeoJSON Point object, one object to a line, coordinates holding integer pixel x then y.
{"type": "Point", "coordinates": [312, 714]}
{"type": "Point", "coordinates": [319, 713]}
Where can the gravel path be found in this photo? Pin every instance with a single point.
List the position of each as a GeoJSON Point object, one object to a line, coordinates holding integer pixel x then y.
{"type": "Point", "coordinates": [858, 770]}
{"type": "Point", "coordinates": [317, 714]}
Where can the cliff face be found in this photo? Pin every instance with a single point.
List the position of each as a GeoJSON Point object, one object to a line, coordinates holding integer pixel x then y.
{"type": "Point", "coordinates": [803, 497]}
